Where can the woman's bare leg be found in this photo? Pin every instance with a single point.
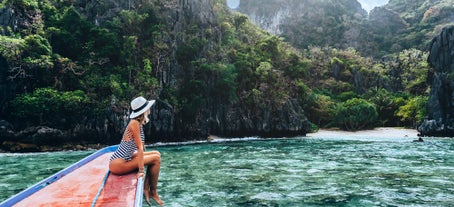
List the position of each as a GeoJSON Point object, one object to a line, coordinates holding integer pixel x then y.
{"type": "Point", "coordinates": [154, 152]}
{"type": "Point", "coordinates": [153, 161]}
{"type": "Point", "coordinates": [146, 187]}
{"type": "Point", "coordinates": [154, 172]}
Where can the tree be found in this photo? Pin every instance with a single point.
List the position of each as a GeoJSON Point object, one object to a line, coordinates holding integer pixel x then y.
{"type": "Point", "coordinates": [47, 106]}
{"type": "Point", "coordinates": [386, 104]}
{"type": "Point", "coordinates": [356, 114]}
{"type": "Point", "coordinates": [414, 111]}
{"type": "Point", "coordinates": [11, 49]}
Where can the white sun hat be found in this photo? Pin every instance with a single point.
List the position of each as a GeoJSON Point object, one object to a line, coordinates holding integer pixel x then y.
{"type": "Point", "coordinates": [139, 105]}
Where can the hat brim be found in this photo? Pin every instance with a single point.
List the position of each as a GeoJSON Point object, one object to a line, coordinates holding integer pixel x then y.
{"type": "Point", "coordinates": [138, 113]}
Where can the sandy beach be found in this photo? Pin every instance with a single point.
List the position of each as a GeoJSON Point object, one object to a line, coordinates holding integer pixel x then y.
{"type": "Point", "coordinates": [390, 132]}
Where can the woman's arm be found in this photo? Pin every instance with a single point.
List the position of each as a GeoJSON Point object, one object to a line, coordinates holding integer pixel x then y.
{"type": "Point", "coordinates": [135, 128]}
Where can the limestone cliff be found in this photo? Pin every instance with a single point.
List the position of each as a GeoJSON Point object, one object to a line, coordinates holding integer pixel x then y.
{"type": "Point", "coordinates": [309, 22]}
{"type": "Point", "coordinates": [391, 28]}
{"type": "Point", "coordinates": [220, 117]}
{"type": "Point", "coordinates": [182, 23]}
{"type": "Point", "coordinates": [440, 120]}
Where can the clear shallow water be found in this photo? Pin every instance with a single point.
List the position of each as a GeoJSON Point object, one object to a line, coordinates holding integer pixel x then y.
{"type": "Point", "coordinates": [20, 171]}
{"type": "Point", "coordinates": [354, 171]}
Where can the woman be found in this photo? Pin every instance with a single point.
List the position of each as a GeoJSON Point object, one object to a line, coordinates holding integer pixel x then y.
{"type": "Point", "coordinates": [131, 154]}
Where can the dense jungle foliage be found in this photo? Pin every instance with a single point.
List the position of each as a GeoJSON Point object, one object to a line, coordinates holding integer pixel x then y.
{"type": "Point", "coordinates": [65, 64]}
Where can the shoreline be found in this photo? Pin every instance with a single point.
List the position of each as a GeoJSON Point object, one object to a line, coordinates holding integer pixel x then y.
{"type": "Point", "coordinates": [391, 132]}
{"type": "Point", "coordinates": [388, 132]}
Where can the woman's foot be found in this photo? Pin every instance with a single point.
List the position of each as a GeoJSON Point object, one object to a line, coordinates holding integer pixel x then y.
{"type": "Point", "coordinates": [146, 193]}
{"type": "Point", "coordinates": [157, 199]}
{"type": "Point", "coordinates": [154, 196]}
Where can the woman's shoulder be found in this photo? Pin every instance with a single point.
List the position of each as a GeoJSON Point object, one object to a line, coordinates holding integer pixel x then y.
{"type": "Point", "coordinates": [134, 124]}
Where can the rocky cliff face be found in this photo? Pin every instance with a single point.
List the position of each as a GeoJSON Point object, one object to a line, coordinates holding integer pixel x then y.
{"type": "Point", "coordinates": [440, 120]}
{"type": "Point", "coordinates": [309, 22]}
{"type": "Point", "coordinates": [391, 28]}
{"type": "Point", "coordinates": [223, 118]}
{"type": "Point", "coordinates": [386, 21]}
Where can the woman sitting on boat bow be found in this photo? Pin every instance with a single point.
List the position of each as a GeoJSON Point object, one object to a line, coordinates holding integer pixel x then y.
{"type": "Point", "coordinates": [131, 154]}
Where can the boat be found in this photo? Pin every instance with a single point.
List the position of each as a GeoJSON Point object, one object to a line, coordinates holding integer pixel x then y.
{"type": "Point", "coordinates": [87, 182]}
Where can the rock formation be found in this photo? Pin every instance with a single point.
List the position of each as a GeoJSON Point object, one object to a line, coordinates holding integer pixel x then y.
{"type": "Point", "coordinates": [308, 22]}
{"type": "Point", "coordinates": [223, 118]}
{"type": "Point", "coordinates": [440, 120]}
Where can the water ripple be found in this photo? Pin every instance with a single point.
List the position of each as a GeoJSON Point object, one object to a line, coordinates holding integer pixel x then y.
{"type": "Point", "coordinates": [305, 171]}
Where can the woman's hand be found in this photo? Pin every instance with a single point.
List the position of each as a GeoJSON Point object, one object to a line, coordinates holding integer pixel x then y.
{"type": "Point", "coordinates": [140, 174]}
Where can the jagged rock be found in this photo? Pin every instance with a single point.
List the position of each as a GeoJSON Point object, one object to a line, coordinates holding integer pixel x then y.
{"type": "Point", "coordinates": [47, 135]}
{"type": "Point", "coordinates": [302, 22]}
{"type": "Point", "coordinates": [7, 19]}
{"type": "Point", "coordinates": [6, 130]}
{"type": "Point", "coordinates": [287, 119]}
{"type": "Point", "coordinates": [41, 135]}
{"type": "Point", "coordinates": [386, 21]}
{"type": "Point", "coordinates": [19, 19]}
{"type": "Point", "coordinates": [440, 120]}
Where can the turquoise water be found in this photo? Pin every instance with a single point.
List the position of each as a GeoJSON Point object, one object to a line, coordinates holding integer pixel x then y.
{"type": "Point", "coordinates": [281, 172]}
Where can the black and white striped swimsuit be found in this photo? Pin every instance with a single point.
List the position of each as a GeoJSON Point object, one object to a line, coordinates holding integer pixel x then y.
{"type": "Point", "coordinates": [127, 148]}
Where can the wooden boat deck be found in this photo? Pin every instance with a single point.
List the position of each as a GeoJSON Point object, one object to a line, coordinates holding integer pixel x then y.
{"type": "Point", "coordinates": [79, 188]}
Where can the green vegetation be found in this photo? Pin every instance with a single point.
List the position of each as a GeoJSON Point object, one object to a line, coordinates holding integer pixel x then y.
{"type": "Point", "coordinates": [355, 114]}
{"type": "Point", "coordinates": [46, 106]}
{"type": "Point", "coordinates": [414, 111]}
{"type": "Point", "coordinates": [66, 66]}
{"type": "Point", "coordinates": [340, 76]}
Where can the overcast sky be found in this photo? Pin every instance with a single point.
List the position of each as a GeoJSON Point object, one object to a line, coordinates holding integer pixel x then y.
{"type": "Point", "coordinates": [370, 4]}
